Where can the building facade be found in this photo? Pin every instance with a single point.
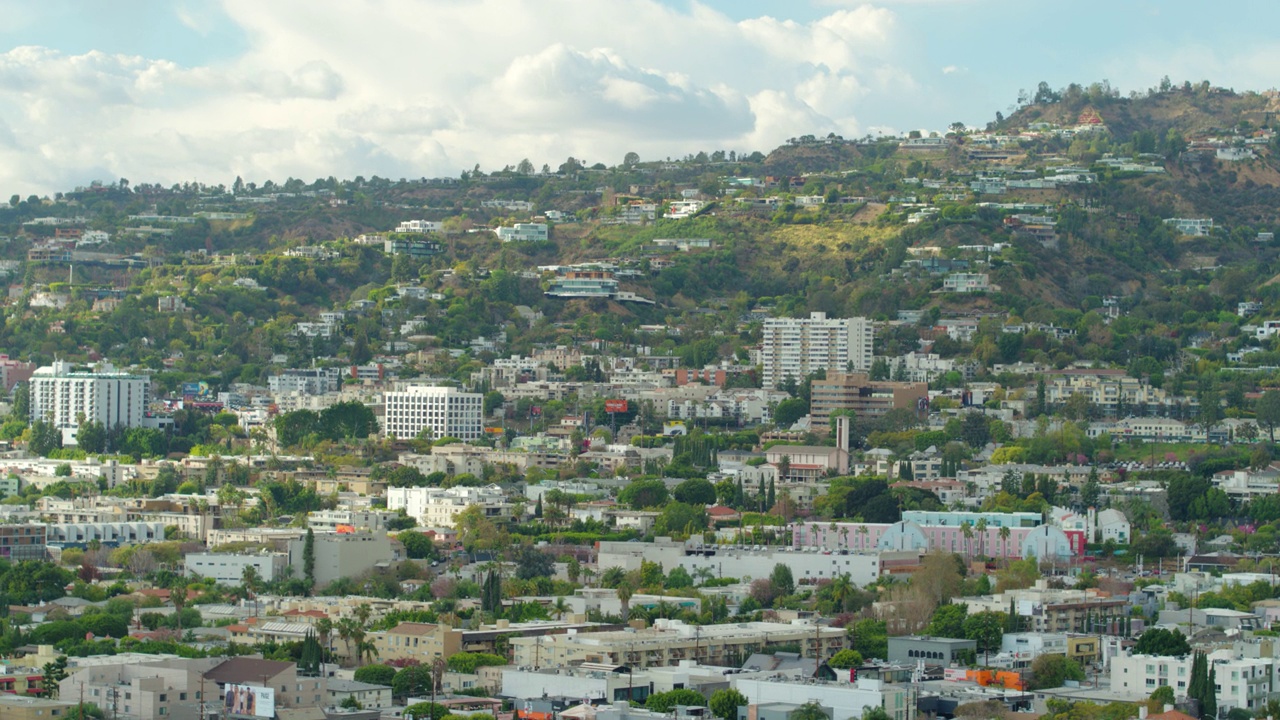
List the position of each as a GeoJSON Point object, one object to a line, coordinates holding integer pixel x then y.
{"type": "Point", "coordinates": [441, 411]}
{"type": "Point", "coordinates": [797, 347]}
{"type": "Point", "coordinates": [669, 642]}
{"type": "Point", "coordinates": [61, 395]}
{"type": "Point", "coordinates": [229, 568]}
{"type": "Point", "coordinates": [864, 396]}
{"type": "Point", "coordinates": [437, 507]}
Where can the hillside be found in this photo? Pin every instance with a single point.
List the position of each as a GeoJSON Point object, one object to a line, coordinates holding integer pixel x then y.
{"type": "Point", "coordinates": [1060, 207]}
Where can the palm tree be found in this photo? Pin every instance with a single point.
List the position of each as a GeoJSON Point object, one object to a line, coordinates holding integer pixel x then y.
{"type": "Point", "coordinates": [363, 612]}
{"type": "Point", "coordinates": [560, 608]}
{"type": "Point", "coordinates": [966, 529]}
{"type": "Point", "coordinates": [864, 532]}
{"type": "Point", "coordinates": [625, 591]}
{"type": "Point", "coordinates": [347, 630]}
{"type": "Point", "coordinates": [841, 589]}
{"type": "Point", "coordinates": [1004, 539]}
{"type": "Point", "coordinates": [324, 628]}
{"type": "Point", "coordinates": [368, 651]}
{"type": "Point", "coordinates": [981, 527]}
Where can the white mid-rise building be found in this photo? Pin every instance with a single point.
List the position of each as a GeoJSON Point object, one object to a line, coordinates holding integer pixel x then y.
{"type": "Point", "coordinates": [228, 568]}
{"type": "Point", "coordinates": [444, 411]}
{"type": "Point", "coordinates": [797, 347]}
{"type": "Point", "coordinates": [437, 507]}
{"type": "Point", "coordinates": [523, 232]}
{"type": "Point", "coordinates": [420, 226]}
{"type": "Point", "coordinates": [60, 394]}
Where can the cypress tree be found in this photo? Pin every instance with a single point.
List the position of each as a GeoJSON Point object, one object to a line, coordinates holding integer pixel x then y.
{"type": "Point", "coordinates": [309, 558]}
{"type": "Point", "coordinates": [772, 498]}
{"type": "Point", "coordinates": [1209, 703]}
{"type": "Point", "coordinates": [1195, 687]}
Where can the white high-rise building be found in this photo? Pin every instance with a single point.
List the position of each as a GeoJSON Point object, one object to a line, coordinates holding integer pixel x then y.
{"type": "Point", "coordinates": [797, 347]}
{"type": "Point", "coordinates": [445, 411]}
{"type": "Point", "coordinates": [62, 395]}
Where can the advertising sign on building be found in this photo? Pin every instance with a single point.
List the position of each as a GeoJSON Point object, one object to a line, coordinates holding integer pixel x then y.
{"type": "Point", "coordinates": [250, 701]}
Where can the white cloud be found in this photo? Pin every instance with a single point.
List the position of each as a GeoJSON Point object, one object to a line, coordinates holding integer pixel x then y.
{"type": "Point", "coordinates": [431, 87]}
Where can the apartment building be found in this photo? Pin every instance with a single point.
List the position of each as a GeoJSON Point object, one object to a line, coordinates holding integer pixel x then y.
{"type": "Point", "coordinates": [23, 542]}
{"type": "Point", "coordinates": [423, 642]}
{"type": "Point", "coordinates": [346, 520]}
{"type": "Point", "coordinates": [61, 394]}
{"type": "Point", "coordinates": [308, 381]}
{"type": "Point", "coordinates": [437, 507]}
{"type": "Point", "coordinates": [439, 411]}
{"type": "Point", "coordinates": [165, 688]}
{"type": "Point", "coordinates": [797, 347]}
{"type": "Point", "coordinates": [291, 690]}
{"type": "Point", "coordinates": [668, 642]}
{"type": "Point", "coordinates": [1046, 610]}
{"type": "Point", "coordinates": [864, 396]}
{"type": "Point", "coordinates": [21, 707]}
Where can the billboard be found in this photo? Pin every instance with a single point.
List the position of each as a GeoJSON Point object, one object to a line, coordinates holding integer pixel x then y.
{"type": "Point", "coordinates": [615, 406]}
{"type": "Point", "coordinates": [250, 701]}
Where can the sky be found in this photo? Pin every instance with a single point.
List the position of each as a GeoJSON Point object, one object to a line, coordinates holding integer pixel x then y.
{"type": "Point", "coordinates": [209, 90]}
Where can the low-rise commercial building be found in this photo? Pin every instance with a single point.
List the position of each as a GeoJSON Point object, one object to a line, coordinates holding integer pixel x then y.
{"type": "Point", "coordinates": [229, 568]}
{"type": "Point", "coordinates": [669, 642]}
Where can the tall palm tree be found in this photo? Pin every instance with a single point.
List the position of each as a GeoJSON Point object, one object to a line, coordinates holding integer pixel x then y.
{"type": "Point", "coordinates": [981, 527]}
{"type": "Point", "coordinates": [347, 630]}
{"type": "Point", "coordinates": [1004, 539]}
{"type": "Point", "coordinates": [625, 591]}
{"type": "Point", "coordinates": [864, 531]}
{"type": "Point", "coordinates": [966, 529]}
{"type": "Point", "coordinates": [841, 589]}
{"type": "Point", "coordinates": [324, 628]}
{"type": "Point", "coordinates": [560, 608]}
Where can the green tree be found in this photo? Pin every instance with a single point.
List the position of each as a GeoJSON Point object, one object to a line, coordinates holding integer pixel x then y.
{"type": "Point", "coordinates": [695, 491]}
{"type": "Point", "coordinates": [870, 638]}
{"type": "Point", "coordinates": [375, 674]}
{"type": "Point", "coordinates": [789, 411]}
{"type": "Point", "coordinates": [781, 579]}
{"type": "Point", "coordinates": [725, 702]}
{"type": "Point", "coordinates": [1268, 412]}
{"type": "Point", "coordinates": [45, 438]}
{"type": "Point", "coordinates": [417, 545]}
{"type": "Point", "coordinates": [644, 493]}
{"type": "Point", "coordinates": [91, 437]}
{"type": "Point", "coordinates": [665, 702]}
{"type": "Point", "coordinates": [809, 711]}
{"type": "Point", "coordinates": [1159, 641]}
{"type": "Point", "coordinates": [309, 559]}
{"type": "Point", "coordinates": [987, 628]}
{"type": "Point", "coordinates": [1051, 671]}
{"type": "Point", "coordinates": [845, 659]}
{"type": "Point", "coordinates": [948, 621]}
{"type": "Point", "coordinates": [54, 672]}
{"type": "Point", "coordinates": [679, 519]}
